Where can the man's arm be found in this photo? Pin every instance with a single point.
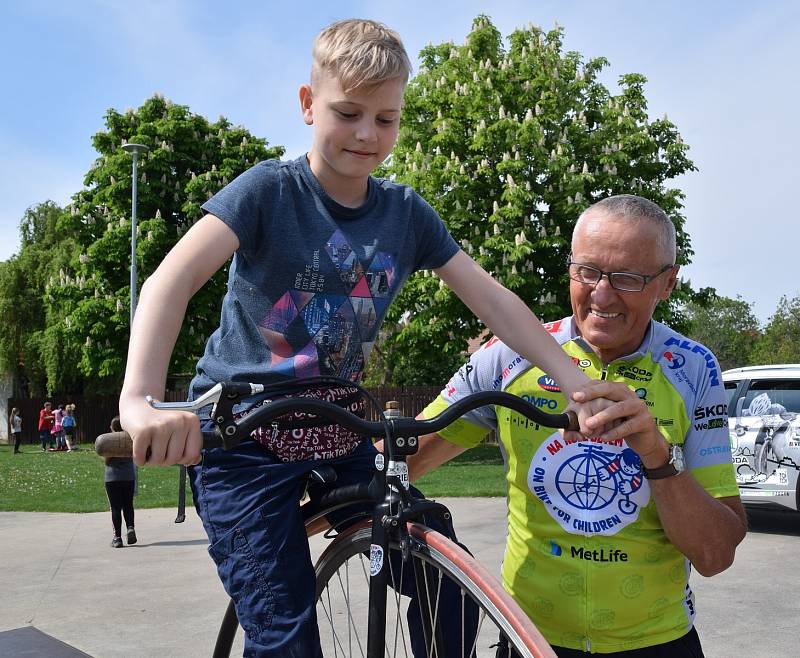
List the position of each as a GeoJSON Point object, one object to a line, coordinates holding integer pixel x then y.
{"type": "Point", "coordinates": [705, 529]}
{"type": "Point", "coordinates": [433, 451]}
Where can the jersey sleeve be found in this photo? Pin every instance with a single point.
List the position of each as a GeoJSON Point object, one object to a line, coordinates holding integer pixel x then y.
{"type": "Point", "coordinates": [480, 373]}
{"type": "Point", "coordinates": [707, 448]}
{"type": "Point", "coordinates": [243, 204]}
{"type": "Point", "coordinates": [435, 245]}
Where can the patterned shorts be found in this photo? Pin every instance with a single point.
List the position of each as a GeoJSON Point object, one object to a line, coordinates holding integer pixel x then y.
{"type": "Point", "coordinates": [303, 441]}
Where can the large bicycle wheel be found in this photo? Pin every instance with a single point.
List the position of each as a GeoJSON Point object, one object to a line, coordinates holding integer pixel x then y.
{"type": "Point", "coordinates": [482, 616]}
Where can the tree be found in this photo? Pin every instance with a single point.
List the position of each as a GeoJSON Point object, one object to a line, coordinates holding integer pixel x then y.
{"type": "Point", "coordinates": [27, 350]}
{"type": "Point", "coordinates": [509, 145]}
{"type": "Point", "coordinates": [189, 160]}
{"type": "Point", "coordinates": [780, 342]}
{"type": "Point", "coordinates": [726, 326]}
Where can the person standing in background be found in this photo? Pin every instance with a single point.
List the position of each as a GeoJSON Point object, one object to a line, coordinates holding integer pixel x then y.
{"type": "Point", "coordinates": [68, 426]}
{"type": "Point", "coordinates": [46, 425]}
{"type": "Point", "coordinates": [16, 429]}
{"type": "Point", "coordinates": [120, 481]}
{"type": "Point", "coordinates": [57, 430]}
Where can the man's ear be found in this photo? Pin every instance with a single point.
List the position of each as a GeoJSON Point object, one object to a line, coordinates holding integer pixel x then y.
{"type": "Point", "coordinates": [306, 103]}
{"type": "Point", "coordinates": [669, 286]}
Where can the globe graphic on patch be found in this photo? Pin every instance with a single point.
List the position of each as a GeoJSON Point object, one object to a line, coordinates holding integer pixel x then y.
{"type": "Point", "coordinates": [584, 481]}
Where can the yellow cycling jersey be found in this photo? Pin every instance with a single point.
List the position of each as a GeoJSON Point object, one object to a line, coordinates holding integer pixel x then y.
{"type": "Point", "coordinates": [586, 556]}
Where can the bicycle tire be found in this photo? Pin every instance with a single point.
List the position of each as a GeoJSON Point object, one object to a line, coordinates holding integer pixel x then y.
{"type": "Point", "coordinates": [342, 603]}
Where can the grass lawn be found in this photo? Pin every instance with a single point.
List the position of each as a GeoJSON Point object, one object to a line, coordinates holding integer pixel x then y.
{"type": "Point", "coordinates": [37, 481]}
{"type": "Point", "coordinates": [476, 472]}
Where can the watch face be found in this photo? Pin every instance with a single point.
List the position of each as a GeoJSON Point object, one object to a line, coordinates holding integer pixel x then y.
{"type": "Point", "coordinates": [676, 454]}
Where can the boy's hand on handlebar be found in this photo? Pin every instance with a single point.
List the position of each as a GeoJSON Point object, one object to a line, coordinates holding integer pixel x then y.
{"type": "Point", "coordinates": [161, 438]}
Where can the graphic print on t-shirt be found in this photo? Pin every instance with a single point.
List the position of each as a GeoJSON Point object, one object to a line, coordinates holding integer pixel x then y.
{"type": "Point", "coordinates": [324, 327]}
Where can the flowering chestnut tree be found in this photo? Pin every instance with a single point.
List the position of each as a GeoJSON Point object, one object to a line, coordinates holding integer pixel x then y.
{"type": "Point", "coordinates": [509, 142]}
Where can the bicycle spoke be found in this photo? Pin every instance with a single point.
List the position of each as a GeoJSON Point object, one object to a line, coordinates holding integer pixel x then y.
{"type": "Point", "coordinates": [351, 625]}
{"type": "Point", "coordinates": [435, 620]}
{"type": "Point", "coordinates": [397, 587]}
{"type": "Point", "coordinates": [327, 609]}
{"type": "Point", "coordinates": [478, 633]}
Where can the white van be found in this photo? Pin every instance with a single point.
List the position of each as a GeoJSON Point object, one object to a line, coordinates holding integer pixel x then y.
{"type": "Point", "coordinates": [764, 423]}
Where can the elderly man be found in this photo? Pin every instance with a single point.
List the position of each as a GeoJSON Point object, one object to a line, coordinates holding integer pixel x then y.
{"type": "Point", "coordinates": [603, 531]}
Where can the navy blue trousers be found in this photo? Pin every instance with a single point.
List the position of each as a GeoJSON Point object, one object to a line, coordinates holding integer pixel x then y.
{"type": "Point", "coordinates": [249, 504]}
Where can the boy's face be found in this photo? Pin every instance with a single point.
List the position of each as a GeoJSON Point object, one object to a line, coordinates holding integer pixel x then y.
{"type": "Point", "coordinates": [353, 132]}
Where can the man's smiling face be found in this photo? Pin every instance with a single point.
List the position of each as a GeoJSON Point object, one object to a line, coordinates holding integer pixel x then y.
{"type": "Point", "coordinates": [614, 322]}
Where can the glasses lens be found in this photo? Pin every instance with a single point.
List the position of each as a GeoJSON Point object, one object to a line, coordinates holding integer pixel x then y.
{"type": "Point", "coordinates": [629, 282]}
{"type": "Point", "coordinates": [584, 273]}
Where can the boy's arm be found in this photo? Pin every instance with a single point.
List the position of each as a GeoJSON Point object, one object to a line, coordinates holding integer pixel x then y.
{"type": "Point", "coordinates": [170, 437]}
{"type": "Point", "coordinates": [505, 314]}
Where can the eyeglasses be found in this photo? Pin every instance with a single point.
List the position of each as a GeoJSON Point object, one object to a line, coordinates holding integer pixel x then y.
{"type": "Point", "coordinates": [624, 281]}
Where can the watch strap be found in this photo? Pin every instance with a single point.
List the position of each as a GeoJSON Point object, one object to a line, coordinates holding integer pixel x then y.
{"type": "Point", "coordinates": [665, 471]}
{"type": "Point", "coordinates": [669, 469]}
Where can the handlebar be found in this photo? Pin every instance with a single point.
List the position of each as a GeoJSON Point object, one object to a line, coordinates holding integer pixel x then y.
{"type": "Point", "coordinates": [118, 444]}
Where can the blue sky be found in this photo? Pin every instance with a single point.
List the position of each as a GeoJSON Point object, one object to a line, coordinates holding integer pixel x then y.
{"type": "Point", "coordinates": [724, 72]}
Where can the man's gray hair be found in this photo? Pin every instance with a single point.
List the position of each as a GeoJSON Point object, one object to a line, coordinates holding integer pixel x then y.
{"type": "Point", "coordinates": [636, 208]}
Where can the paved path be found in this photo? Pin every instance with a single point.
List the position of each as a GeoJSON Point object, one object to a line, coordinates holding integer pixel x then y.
{"type": "Point", "coordinates": [161, 598]}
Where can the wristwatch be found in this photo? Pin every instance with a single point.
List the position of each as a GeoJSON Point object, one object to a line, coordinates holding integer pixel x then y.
{"type": "Point", "coordinates": [674, 466]}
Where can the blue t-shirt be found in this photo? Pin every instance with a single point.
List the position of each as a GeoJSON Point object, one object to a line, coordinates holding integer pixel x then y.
{"type": "Point", "coordinates": [311, 281]}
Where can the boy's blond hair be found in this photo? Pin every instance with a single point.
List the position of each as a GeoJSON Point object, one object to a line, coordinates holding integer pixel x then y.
{"type": "Point", "coordinates": [361, 53]}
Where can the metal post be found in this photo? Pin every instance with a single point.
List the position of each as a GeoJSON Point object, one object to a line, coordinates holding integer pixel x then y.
{"type": "Point", "coordinates": [134, 150]}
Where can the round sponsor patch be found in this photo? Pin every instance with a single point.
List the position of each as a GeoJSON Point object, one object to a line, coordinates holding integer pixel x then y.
{"type": "Point", "coordinates": [549, 384]}
{"type": "Point", "coordinates": [379, 461]}
{"type": "Point", "coordinates": [589, 487]}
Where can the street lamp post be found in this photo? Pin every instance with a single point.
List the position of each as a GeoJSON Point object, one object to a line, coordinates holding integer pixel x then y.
{"type": "Point", "coordinates": [134, 150]}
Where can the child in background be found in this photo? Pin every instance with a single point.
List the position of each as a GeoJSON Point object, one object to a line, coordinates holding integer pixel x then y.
{"type": "Point", "coordinates": [120, 481]}
{"type": "Point", "coordinates": [57, 430]}
{"type": "Point", "coordinates": [46, 426]}
{"type": "Point", "coordinates": [68, 426]}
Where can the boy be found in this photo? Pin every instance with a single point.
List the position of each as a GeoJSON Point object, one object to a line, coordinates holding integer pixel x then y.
{"type": "Point", "coordinates": [320, 249]}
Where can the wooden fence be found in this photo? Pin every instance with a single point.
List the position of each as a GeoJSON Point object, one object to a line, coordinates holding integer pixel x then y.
{"type": "Point", "coordinates": [94, 413]}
